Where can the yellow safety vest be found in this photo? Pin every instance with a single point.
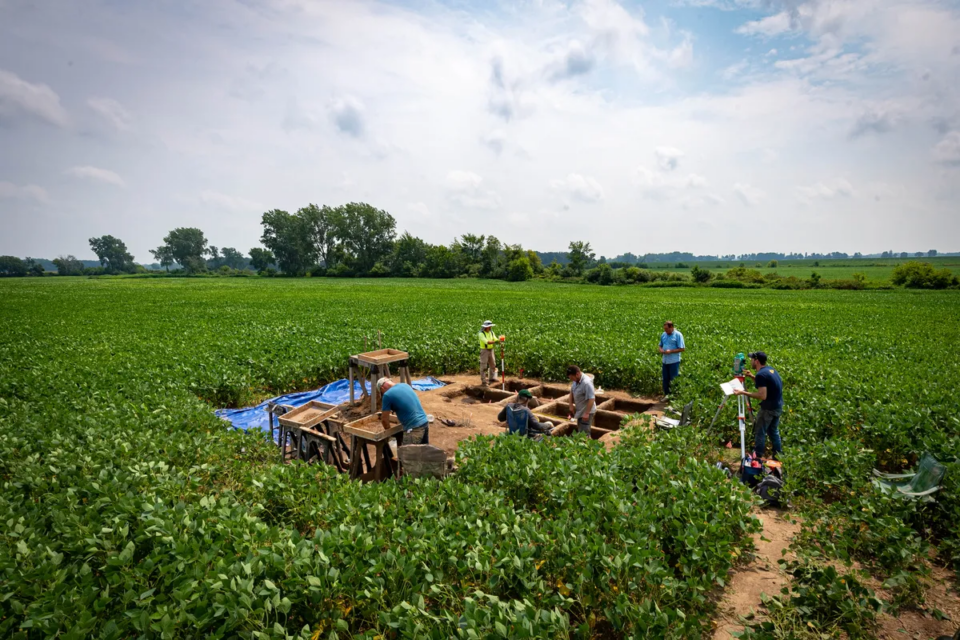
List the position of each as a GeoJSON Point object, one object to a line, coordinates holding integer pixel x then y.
{"type": "Point", "coordinates": [488, 340]}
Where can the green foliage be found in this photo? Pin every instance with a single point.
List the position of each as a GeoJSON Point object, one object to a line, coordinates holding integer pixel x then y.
{"type": "Point", "coordinates": [12, 266]}
{"type": "Point", "coordinates": [186, 246]}
{"type": "Point", "coordinates": [579, 257]}
{"type": "Point", "coordinates": [519, 270]}
{"type": "Point", "coordinates": [68, 266]}
{"type": "Point", "coordinates": [260, 258]}
{"type": "Point", "coordinates": [130, 510]}
{"type": "Point", "coordinates": [922, 275]}
{"type": "Point", "coordinates": [820, 602]}
{"type": "Point", "coordinates": [113, 254]}
{"type": "Point", "coordinates": [700, 275]}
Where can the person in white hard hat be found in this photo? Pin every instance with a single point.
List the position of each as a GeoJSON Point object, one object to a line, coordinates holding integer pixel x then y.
{"type": "Point", "coordinates": [488, 356]}
{"type": "Point", "coordinates": [402, 400]}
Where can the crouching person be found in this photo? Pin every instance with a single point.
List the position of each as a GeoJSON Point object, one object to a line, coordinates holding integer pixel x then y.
{"type": "Point", "coordinates": [521, 421]}
{"type": "Point", "coordinates": [402, 400]}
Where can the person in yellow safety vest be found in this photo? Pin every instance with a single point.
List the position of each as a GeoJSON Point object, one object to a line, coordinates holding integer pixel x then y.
{"type": "Point", "coordinates": [488, 355]}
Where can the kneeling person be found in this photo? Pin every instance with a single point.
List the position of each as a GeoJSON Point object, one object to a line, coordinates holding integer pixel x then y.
{"type": "Point", "coordinates": [521, 421]}
{"type": "Point", "coordinates": [402, 400]}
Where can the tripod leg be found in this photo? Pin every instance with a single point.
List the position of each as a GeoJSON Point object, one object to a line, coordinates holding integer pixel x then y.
{"type": "Point", "coordinates": [723, 403]}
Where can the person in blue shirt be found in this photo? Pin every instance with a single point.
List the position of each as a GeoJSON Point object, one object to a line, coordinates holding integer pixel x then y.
{"type": "Point", "coordinates": [671, 346]}
{"type": "Point", "coordinates": [770, 394]}
{"type": "Point", "coordinates": [402, 400]}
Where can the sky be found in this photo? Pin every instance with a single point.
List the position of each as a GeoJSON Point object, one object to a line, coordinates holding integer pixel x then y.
{"type": "Point", "coordinates": [709, 126]}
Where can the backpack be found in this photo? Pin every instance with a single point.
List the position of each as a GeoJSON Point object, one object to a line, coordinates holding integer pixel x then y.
{"type": "Point", "coordinates": [769, 489]}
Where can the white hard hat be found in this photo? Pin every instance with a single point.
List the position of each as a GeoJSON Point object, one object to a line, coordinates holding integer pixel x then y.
{"type": "Point", "coordinates": [487, 323]}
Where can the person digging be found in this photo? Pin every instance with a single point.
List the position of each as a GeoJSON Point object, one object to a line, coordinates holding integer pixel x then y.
{"type": "Point", "coordinates": [521, 421]}
{"type": "Point", "coordinates": [402, 400]}
{"type": "Point", "coordinates": [770, 394]}
{"type": "Point", "coordinates": [488, 356]}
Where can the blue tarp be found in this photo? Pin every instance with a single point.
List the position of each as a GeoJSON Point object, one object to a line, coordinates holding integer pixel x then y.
{"type": "Point", "coordinates": [334, 393]}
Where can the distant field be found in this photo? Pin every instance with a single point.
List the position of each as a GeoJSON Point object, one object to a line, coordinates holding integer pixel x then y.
{"type": "Point", "coordinates": [876, 270]}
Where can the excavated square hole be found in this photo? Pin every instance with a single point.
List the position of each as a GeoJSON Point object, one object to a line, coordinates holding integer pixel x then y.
{"type": "Point", "coordinates": [625, 406]}
{"type": "Point", "coordinates": [607, 420]}
{"type": "Point", "coordinates": [545, 391]}
{"type": "Point", "coordinates": [517, 385]}
{"type": "Point", "coordinates": [487, 394]}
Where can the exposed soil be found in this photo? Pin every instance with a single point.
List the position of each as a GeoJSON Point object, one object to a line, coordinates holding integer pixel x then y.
{"type": "Point", "coordinates": [921, 624]}
{"type": "Point", "coordinates": [760, 575]}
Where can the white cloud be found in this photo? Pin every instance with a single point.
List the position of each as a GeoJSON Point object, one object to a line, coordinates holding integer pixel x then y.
{"type": "Point", "coordinates": [748, 194]}
{"type": "Point", "coordinates": [112, 111]}
{"type": "Point", "coordinates": [11, 191]}
{"type": "Point", "coordinates": [19, 98]}
{"type": "Point", "coordinates": [465, 189]}
{"type": "Point", "coordinates": [769, 26]}
{"type": "Point", "coordinates": [576, 60]}
{"type": "Point", "coordinates": [947, 150]}
{"type": "Point", "coordinates": [578, 187]}
{"type": "Point", "coordinates": [232, 203]}
{"type": "Point", "coordinates": [839, 188]}
{"type": "Point", "coordinates": [876, 120]}
{"type": "Point", "coordinates": [97, 174]}
{"type": "Point", "coordinates": [668, 158]}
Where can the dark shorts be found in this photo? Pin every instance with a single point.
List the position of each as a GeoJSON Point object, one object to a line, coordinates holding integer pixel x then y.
{"type": "Point", "coordinates": [418, 435]}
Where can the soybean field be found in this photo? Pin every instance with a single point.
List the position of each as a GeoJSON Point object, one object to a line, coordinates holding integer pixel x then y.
{"type": "Point", "coordinates": [129, 510]}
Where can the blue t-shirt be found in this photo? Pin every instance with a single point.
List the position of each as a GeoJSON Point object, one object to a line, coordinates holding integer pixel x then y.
{"type": "Point", "coordinates": [769, 378]}
{"type": "Point", "coordinates": [670, 341]}
{"type": "Point", "coordinates": [403, 401]}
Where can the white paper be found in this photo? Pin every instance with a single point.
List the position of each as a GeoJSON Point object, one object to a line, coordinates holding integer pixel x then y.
{"type": "Point", "coordinates": [730, 387]}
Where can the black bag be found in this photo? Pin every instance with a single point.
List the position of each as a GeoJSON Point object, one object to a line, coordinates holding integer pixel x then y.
{"type": "Point", "coordinates": [770, 489]}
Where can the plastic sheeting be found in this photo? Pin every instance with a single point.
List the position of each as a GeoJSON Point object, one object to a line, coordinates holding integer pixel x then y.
{"type": "Point", "coordinates": [334, 393]}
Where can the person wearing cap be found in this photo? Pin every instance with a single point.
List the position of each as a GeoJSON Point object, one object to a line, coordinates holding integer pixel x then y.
{"type": "Point", "coordinates": [583, 399]}
{"type": "Point", "coordinates": [770, 394]}
{"type": "Point", "coordinates": [671, 346]}
{"type": "Point", "coordinates": [488, 355]}
{"type": "Point", "coordinates": [521, 421]}
{"type": "Point", "coordinates": [402, 400]}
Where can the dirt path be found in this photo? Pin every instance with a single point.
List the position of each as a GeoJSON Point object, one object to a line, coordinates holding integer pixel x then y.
{"type": "Point", "coordinates": [761, 575]}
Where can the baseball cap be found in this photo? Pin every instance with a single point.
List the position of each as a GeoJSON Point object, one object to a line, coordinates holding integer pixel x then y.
{"type": "Point", "coordinates": [524, 393]}
{"type": "Point", "coordinates": [759, 355]}
{"type": "Point", "coordinates": [381, 382]}
{"type": "Point", "coordinates": [487, 323]}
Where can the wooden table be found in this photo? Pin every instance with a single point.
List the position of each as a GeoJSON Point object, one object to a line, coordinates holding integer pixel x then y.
{"type": "Point", "coordinates": [372, 366]}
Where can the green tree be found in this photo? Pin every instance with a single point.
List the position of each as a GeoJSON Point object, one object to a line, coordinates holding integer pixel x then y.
{"type": "Point", "coordinates": [233, 258]}
{"type": "Point", "coordinates": [604, 274]}
{"type": "Point", "coordinates": [860, 279]}
{"type": "Point", "coordinates": [187, 246]}
{"type": "Point", "coordinates": [519, 270]}
{"type": "Point", "coordinates": [12, 266]}
{"type": "Point", "coordinates": [579, 257]}
{"type": "Point", "coordinates": [409, 255]}
{"type": "Point", "coordinates": [469, 249]}
{"type": "Point", "coordinates": [365, 233]}
{"type": "Point", "coordinates": [814, 280]}
{"type": "Point", "coordinates": [773, 264]}
{"type": "Point", "coordinates": [215, 261]}
{"type": "Point", "coordinates": [535, 262]}
{"type": "Point", "coordinates": [491, 259]}
{"type": "Point", "coordinates": [322, 224]}
{"type": "Point", "coordinates": [260, 258]}
{"type": "Point", "coordinates": [441, 262]}
{"type": "Point", "coordinates": [34, 268]}
{"type": "Point", "coordinates": [554, 269]}
{"type": "Point", "coordinates": [288, 239]}
{"type": "Point", "coordinates": [163, 255]}
{"type": "Point", "coordinates": [922, 275]}
{"type": "Point", "coordinates": [700, 275]}
{"type": "Point", "coordinates": [113, 254]}
{"type": "Point", "coordinates": [932, 253]}
{"type": "Point", "coordinates": [68, 266]}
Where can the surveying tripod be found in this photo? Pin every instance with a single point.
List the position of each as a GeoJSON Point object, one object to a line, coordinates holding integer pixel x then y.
{"type": "Point", "coordinates": [743, 407]}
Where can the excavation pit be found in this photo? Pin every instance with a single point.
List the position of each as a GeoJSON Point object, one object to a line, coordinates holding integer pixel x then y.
{"type": "Point", "coordinates": [548, 392]}
{"type": "Point", "coordinates": [625, 406]}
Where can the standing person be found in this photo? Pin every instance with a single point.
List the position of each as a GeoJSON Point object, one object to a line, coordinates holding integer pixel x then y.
{"type": "Point", "coordinates": [520, 419]}
{"type": "Point", "coordinates": [583, 399]}
{"type": "Point", "coordinates": [671, 346]}
{"type": "Point", "coordinates": [403, 400]}
{"type": "Point", "coordinates": [488, 355]}
{"type": "Point", "coordinates": [770, 394]}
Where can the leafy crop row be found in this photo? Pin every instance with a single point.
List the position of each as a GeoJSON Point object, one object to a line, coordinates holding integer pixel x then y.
{"type": "Point", "coordinates": [127, 509]}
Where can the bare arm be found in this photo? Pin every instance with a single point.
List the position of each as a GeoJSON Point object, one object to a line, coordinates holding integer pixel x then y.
{"type": "Point", "coordinates": [385, 419]}
{"type": "Point", "coordinates": [759, 394]}
{"type": "Point", "coordinates": [589, 408]}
